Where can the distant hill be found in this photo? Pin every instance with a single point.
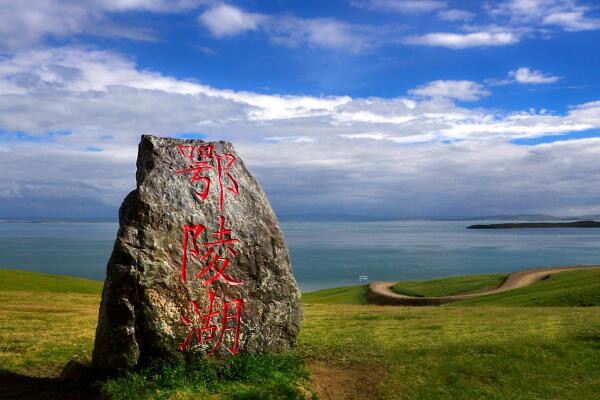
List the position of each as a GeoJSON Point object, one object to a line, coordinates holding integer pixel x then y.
{"type": "Point", "coordinates": [33, 220]}
{"type": "Point", "coordinates": [516, 225]}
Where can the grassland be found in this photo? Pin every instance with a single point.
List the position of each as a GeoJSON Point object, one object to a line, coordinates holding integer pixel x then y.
{"type": "Point", "coordinates": [45, 321]}
{"type": "Point", "coordinates": [340, 295]}
{"type": "Point", "coordinates": [460, 352]}
{"type": "Point", "coordinates": [567, 289]}
{"type": "Point", "coordinates": [449, 286]}
{"type": "Point", "coordinates": [353, 351]}
{"type": "Point", "coordinates": [25, 281]}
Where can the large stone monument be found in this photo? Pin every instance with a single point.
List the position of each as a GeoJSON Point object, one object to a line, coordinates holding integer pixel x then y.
{"type": "Point", "coordinates": [200, 267]}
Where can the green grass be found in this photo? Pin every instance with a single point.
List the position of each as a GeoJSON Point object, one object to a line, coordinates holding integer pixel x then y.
{"type": "Point", "coordinates": [353, 351]}
{"type": "Point", "coordinates": [571, 288]}
{"type": "Point", "coordinates": [449, 286]}
{"type": "Point", "coordinates": [266, 376]}
{"type": "Point", "coordinates": [433, 353]}
{"type": "Point", "coordinates": [14, 280]}
{"type": "Point", "coordinates": [41, 331]}
{"type": "Point", "coordinates": [340, 295]}
{"type": "Point", "coordinates": [45, 321]}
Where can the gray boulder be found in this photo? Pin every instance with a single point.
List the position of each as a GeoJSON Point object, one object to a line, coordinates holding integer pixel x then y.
{"type": "Point", "coordinates": [200, 267]}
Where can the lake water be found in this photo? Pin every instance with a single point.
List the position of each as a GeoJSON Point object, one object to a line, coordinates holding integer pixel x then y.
{"type": "Point", "coordinates": [328, 254]}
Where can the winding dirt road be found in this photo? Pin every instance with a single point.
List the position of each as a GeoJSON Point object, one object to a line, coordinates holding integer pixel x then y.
{"type": "Point", "coordinates": [381, 292]}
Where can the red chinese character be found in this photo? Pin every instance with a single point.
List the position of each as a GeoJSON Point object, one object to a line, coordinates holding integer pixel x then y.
{"type": "Point", "coordinates": [206, 331]}
{"type": "Point", "coordinates": [197, 167]}
{"type": "Point", "coordinates": [218, 271]}
{"type": "Point", "coordinates": [220, 170]}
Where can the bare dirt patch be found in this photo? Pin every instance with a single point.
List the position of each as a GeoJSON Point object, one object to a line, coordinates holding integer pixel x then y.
{"type": "Point", "coordinates": [333, 382]}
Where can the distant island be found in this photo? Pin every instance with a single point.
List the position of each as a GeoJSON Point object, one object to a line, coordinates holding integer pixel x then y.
{"type": "Point", "coordinates": [514, 225]}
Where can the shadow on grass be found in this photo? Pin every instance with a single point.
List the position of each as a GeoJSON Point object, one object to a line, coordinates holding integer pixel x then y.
{"type": "Point", "coordinates": [17, 386]}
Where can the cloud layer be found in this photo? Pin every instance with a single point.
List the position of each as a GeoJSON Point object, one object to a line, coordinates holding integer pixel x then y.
{"type": "Point", "coordinates": [26, 23]}
{"type": "Point", "coordinates": [71, 119]}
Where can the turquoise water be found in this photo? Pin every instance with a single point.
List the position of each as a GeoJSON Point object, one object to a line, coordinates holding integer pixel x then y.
{"type": "Point", "coordinates": [328, 254]}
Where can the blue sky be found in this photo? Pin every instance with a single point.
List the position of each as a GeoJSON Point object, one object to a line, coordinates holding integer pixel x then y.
{"type": "Point", "coordinates": [392, 108]}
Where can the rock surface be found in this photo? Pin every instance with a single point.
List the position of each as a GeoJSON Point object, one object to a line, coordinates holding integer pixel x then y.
{"type": "Point", "coordinates": [185, 236]}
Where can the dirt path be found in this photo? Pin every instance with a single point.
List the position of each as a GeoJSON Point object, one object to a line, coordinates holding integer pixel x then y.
{"type": "Point", "coordinates": [381, 292]}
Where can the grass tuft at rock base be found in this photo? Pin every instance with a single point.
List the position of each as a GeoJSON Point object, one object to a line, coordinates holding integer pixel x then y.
{"type": "Point", "coordinates": [265, 376]}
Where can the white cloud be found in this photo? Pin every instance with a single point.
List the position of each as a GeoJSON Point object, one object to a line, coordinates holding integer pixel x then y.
{"type": "Point", "coordinates": [319, 32]}
{"type": "Point", "coordinates": [522, 10]}
{"type": "Point", "coordinates": [587, 113]}
{"type": "Point", "coordinates": [514, 19]}
{"type": "Point", "coordinates": [460, 90]}
{"type": "Point", "coordinates": [572, 21]}
{"type": "Point", "coordinates": [28, 22]}
{"type": "Point", "coordinates": [149, 5]}
{"type": "Point", "coordinates": [403, 6]}
{"type": "Point", "coordinates": [464, 40]}
{"type": "Point", "coordinates": [411, 139]}
{"type": "Point", "coordinates": [527, 76]}
{"type": "Point", "coordinates": [225, 20]}
{"type": "Point", "coordinates": [306, 151]}
{"type": "Point", "coordinates": [567, 14]}
{"type": "Point", "coordinates": [456, 15]}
